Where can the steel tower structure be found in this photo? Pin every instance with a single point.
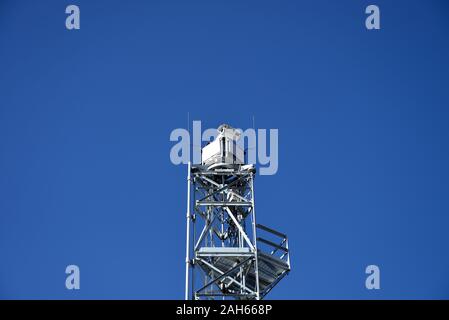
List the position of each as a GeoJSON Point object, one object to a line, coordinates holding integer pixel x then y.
{"type": "Point", "coordinates": [225, 257]}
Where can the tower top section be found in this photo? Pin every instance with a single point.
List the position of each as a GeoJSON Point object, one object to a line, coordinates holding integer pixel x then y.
{"type": "Point", "coordinates": [223, 151]}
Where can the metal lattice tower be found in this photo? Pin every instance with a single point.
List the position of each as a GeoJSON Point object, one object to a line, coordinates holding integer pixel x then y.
{"type": "Point", "coordinates": [225, 257]}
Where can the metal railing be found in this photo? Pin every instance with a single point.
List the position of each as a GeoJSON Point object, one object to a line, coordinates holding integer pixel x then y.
{"type": "Point", "coordinates": [279, 249]}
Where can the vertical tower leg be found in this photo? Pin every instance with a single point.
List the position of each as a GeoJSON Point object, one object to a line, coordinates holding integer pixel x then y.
{"type": "Point", "coordinates": [256, 262]}
{"type": "Point", "coordinates": [187, 235]}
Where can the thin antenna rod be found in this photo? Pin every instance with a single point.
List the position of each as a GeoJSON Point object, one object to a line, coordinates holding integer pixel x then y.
{"type": "Point", "coordinates": [188, 121]}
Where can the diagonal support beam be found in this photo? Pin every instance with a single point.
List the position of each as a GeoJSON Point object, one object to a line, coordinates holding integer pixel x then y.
{"type": "Point", "coordinates": [222, 272]}
{"type": "Point", "coordinates": [219, 186]}
{"type": "Point", "coordinates": [237, 224]}
{"type": "Point", "coordinates": [225, 274]}
{"type": "Point", "coordinates": [225, 187]}
{"type": "Point", "coordinates": [205, 230]}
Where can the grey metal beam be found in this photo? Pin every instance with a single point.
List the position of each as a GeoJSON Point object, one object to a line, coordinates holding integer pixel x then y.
{"type": "Point", "coordinates": [223, 203]}
{"type": "Point", "coordinates": [271, 231]}
{"type": "Point", "coordinates": [274, 245]}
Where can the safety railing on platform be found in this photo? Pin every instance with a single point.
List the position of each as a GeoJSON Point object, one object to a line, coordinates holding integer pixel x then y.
{"type": "Point", "coordinates": [274, 243]}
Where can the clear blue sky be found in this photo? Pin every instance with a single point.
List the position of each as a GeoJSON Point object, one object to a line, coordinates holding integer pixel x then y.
{"type": "Point", "coordinates": [85, 119]}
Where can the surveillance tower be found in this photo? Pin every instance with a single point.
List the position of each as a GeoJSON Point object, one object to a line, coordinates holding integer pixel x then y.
{"type": "Point", "coordinates": [225, 255]}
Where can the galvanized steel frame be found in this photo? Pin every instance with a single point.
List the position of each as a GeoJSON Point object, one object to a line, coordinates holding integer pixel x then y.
{"type": "Point", "coordinates": [211, 197]}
